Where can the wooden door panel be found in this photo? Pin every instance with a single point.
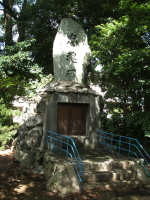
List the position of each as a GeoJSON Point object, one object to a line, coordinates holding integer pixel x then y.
{"type": "Point", "coordinates": [63, 119]}
{"type": "Point", "coordinates": [77, 120]}
{"type": "Point", "coordinates": [71, 119]}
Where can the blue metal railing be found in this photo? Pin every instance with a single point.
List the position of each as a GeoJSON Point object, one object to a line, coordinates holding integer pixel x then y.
{"type": "Point", "coordinates": [63, 144]}
{"type": "Point", "coordinates": [126, 144]}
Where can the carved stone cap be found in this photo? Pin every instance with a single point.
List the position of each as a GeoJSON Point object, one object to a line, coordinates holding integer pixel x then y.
{"type": "Point", "coordinates": [66, 87]}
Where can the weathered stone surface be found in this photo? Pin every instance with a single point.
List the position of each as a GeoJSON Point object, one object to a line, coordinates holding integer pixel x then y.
{"type": "Point", "coordinates": [55, 183]}
{"type": "Point", "coordinates": [47, 157]}
{"type": "Point", "coordinates": [22, 132]}
{"type": "Point", "coordinates": [18, 119]}
{"type": "Point", "coordinates": [38, 170]}
{"type": "Point", "coordinates": [70, 52]}
{"type": "Point", "coordinates": [22, 145]}
{"type": "Point", "coordinates": [25, 159]}
{"type": "Point", "coordinates": [141, 174]}
{"type": "Point", "coordinates": [34, 120]}
{"type": "Point", "coordinates": [52, 166]}
{"type": "Point", "coordinates": [31, 109]}
{"type": "Point", "coordinates": [14, 142]}
{"type": "Point", "coordinates": [38, 159]}
{"type": "Point", "coordinates": [68, 86]}
{"type": "Point", "coordinates": [64, 180]}
{"type": "Point", "coordinates": [33, 138]}
{"type": "Point", "coordinates": [41, 108]}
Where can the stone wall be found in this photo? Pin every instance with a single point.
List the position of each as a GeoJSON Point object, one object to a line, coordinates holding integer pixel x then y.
{"type": "Point", "coordinates": [39, 114]}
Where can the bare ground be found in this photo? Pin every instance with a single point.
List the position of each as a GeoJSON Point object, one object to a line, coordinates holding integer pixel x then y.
{"type": "Point", "coordinates": [16, 184]}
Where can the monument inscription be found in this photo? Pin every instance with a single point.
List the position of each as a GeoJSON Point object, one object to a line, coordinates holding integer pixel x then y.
{"type": "Point", "coordinates": [70, 52]}
{"type": "Point", "coordinates": [71, 57]}
{"type": "Point", "coordinates": [72, 40]}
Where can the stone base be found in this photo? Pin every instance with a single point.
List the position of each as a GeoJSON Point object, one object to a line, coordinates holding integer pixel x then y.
{"type": "Point", "coordinates": [61, 176]}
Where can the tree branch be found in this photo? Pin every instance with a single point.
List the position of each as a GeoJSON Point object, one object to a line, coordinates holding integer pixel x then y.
{"type": "Point", "coordinates": [9, 10]}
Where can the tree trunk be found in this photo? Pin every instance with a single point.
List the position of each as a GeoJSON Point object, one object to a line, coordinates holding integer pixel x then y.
{"type": "Point", "coordinates": [8, 23]}
{"type": "Point", "coordinates": [22, 22]}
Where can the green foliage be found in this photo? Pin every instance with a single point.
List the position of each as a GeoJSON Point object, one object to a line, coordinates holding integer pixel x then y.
{"type": "Point", "coordinates": [7, 128]}
{"type": "Point", "coordinates": [16, 70]}
{"type": "Point", "coordinates": [40, 20]}
{"type": "Point", "coordinates": [33, 85]}
{"type": "Point", "coordinates": [124, 54]}
{"type": "Point", "coordinates": [120, 44]}
{"type": "Point", "coordinates": [7, 134]}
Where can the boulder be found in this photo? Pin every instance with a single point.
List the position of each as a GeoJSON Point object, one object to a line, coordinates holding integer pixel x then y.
{"type": "Point", "coordinates": [47, 156]}
{"type": "Point", "coordinates": [38, 170]}
{"type": "Point", "coordinates": [33, 138]}
{"type": "Point", "coordinates": [20, 119]}
{"type": "Point", "coordinates": [41, 108]}
{"type": "Point", "coordinates": [34, 120]}
{"type": "Point", "coordinates": [64, 180]}
{"type": "Point", "coordinates": [52, 167]}
{"type": "Point", "coordinates": [38, 159]}
{"type": "Point", "coordinates": [22, 132]}
{"type": "Point", "coordinates": [31, 110]}
{"type": "Point", "coordinates": [25, 158]}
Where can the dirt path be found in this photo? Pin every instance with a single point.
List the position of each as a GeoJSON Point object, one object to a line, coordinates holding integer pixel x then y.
{"type": "Point", "coordinates": [18, 185]}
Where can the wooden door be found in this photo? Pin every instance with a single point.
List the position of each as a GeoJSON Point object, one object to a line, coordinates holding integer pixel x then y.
{"type": "Point", "coordinates": [71, 119]}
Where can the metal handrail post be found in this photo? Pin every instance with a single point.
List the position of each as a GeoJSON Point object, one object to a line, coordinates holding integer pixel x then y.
{"type": "Point", "coordinates": [129, 147]}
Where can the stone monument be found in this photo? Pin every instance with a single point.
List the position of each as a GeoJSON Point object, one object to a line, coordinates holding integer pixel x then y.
{"type": "Point", "coordinates": [65, 106]}
{"type": "Point", "coordinates": [71, 52]}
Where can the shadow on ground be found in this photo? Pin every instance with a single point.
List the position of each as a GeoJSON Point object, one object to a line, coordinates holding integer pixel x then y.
{"type": "Point", "coordinates": [16, 184]}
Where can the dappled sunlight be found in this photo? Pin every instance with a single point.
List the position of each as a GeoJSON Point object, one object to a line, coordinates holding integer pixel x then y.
{"type": "Point", "coordinates": [21, 188]}
{"type": "Point", "coordinates": [18, 185]}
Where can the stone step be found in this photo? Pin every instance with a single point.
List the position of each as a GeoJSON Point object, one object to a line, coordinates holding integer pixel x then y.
{"type": "Point", "coordinates": [114, 175]}
{"type": "Point", "coordinates": [109, 165]}
{"type": "Point", "coordinates": [108, 185]}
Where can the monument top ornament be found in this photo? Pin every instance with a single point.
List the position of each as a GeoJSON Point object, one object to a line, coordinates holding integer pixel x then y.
{"type": "Point", "coordinates": [71, 52]}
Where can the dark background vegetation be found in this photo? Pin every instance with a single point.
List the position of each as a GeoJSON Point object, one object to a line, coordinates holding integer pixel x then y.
{"type": "Point", "coordinates": [118, 34]}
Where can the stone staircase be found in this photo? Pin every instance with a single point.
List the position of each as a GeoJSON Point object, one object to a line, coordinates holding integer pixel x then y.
{"type": "Point", "coordinates": [105, 170]}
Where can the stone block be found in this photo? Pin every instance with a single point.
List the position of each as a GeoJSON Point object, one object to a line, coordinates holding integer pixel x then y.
{"type": "Point", "coordinates": [71, 52]}
{"type": "Point", "coordinates": [64, 181]}
{"type": "Point", "coordinates": [33, 138]}
{"type": "Point", "coordinates": [34, 120]}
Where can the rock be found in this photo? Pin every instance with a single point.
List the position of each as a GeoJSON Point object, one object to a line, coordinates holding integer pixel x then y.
{"type": "Point", "coordinates": [38, 170]}
{"type": "Point", "coordinates": [52, 166]}
{"type": "Point", "coordinates": [20, 119]}
{"type": "Point", "coordinates": [31, 110]}
{"type": "Point", "coordinates": [55, 184]}
{"type": "Point", "coordinates": [34, 120]}
{"type": "Point", "coordinates": [48, 170]}
{"type": "Point", "coordinates": [38, 159]}
{"type": "Point", "coordinates": [22, 144]}
{"type": "Point", "coordinates": [33, 138]}
{"type": "Point", "coordinates": [64, 181]}
{"type": "Point", "coordinates": [25, 159]}
{"type": "Point", "coordinates": [71, 52]}
{"type": "Point", "coordinates": [47, 156]}
{"type": "Point", "coordinates": [22, 132]}
{"type": "Point", "coordinates": [14, 142]}
{"type": "Point", "coordinates": [41, 108]}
